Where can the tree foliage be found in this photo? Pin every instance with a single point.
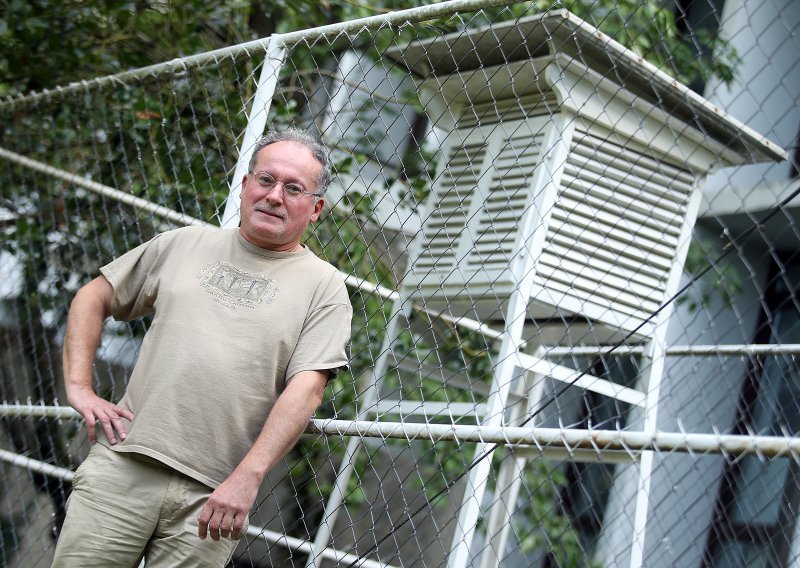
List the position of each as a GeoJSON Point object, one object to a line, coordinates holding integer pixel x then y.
{"type": "Point", "coordinates": [44, 44]}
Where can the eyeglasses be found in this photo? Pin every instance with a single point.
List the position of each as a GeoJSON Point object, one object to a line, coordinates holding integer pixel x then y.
{"type": "Point", "coordinates": [291, 191]}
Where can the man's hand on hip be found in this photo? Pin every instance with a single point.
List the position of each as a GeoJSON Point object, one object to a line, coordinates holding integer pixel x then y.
{"type": "Point", "coordinates": [95, 409]}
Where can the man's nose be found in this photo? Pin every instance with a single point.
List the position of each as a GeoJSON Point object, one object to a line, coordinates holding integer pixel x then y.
{"type": "Point", "coordinates": [275, 194]}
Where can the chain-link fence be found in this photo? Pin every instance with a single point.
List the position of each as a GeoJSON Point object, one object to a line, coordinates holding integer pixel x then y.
{"type": "Point", "coordinates": [571, 247]}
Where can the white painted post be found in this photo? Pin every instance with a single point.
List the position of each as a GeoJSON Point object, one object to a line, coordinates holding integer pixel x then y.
{"type": "Point", "coordinates": [476, 481]}
{"type": "Point", "coordinates": [256, 122]}
{"type": "Point", "coordinates": [657, 356]}
{"type": "Point", "coordinates": [509, 482]}
{"type": "Point", "coordinates": [368, 400]}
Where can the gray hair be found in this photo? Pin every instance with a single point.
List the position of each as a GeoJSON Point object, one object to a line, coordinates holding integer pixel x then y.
{"type": "Point", "coordinates": [291, 134]}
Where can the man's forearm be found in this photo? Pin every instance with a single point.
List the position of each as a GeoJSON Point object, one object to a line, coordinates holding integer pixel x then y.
{"type": "Point", "coordinates": [89, 309]}
{"type": "Point", "coordinates": [87, 313]}
{"type": "Point", "coordinates": [229, 505]}
{"type": "Point", "coordinates": [285, 424]}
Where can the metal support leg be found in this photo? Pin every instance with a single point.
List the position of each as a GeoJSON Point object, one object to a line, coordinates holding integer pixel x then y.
{"type": "Point", "coordinates": [256, 122]}
{"type": "Point", "coordinates": [370, 396]}
{"type": "Point", "coordinates": [509, 482]}
{"type": "Point", "coordinates": [656, 356]}
{"type": "Point", "coordinates": [479, 475]}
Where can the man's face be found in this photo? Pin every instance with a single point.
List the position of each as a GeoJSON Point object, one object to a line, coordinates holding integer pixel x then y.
{"type": "Point", "coordinates": [269, 218]}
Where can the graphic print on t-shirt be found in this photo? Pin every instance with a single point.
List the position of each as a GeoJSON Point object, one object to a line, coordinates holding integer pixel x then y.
{"type": "Point", "coordinates": [234, 287]}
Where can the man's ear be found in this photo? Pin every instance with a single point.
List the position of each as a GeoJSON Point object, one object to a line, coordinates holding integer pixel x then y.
{"type": "Point", "coordinates": [319, 204]}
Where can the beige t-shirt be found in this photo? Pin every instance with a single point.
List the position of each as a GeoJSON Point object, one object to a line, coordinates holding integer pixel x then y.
{"type": "Point", "coordinates": [232, 323]}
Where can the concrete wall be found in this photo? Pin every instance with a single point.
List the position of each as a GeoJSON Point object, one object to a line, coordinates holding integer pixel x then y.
{"type": "Point", "coordinates": [700, 394]}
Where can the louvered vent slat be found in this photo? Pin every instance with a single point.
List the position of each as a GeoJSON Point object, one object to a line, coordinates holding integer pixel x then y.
{"type": "Point", "coordinates": [585, 235]}
{"type": "Point", "coordinates": [634, 156]}
{"type": "Point", "coordinates": [506, 110]}
{"type": "Point", "coordinates": [627, 275]}
{"type": "Point", "coordinates": [605, 288]}
{"type": "Point", "coordinates": [625, 240]}
{"type": "Point", "coordinates": [593, 174]}
{"type": "Point", "coordinates": [609, 220]}
{"type": "Point", "coordinates": [601, 289]}
{"type": "Point", "coordinates": [506, 200]}
{"type": "Point", "coordinates": [588, 289]}
{"type": "Point", "coordinates": [448, 219]}
{"type": "Point", "coordinates": [608, 252]}
{"type": "Point", "coordinates": [635, 210]}
{"type": "Point", "coordinates": [614, 227]}
{"type": "Point", "coordinates": [622, 168]}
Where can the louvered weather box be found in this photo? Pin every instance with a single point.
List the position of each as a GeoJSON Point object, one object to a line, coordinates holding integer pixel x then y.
{"type": "Point", "coordinates": [569, 170]}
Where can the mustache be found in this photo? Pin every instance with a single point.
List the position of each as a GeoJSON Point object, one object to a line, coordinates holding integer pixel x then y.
{"type": "Point", "coordinates": [270, 210]}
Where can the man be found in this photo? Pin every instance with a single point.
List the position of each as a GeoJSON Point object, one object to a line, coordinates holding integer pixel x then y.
{"type": "Point", "coordinates": [248, 326]}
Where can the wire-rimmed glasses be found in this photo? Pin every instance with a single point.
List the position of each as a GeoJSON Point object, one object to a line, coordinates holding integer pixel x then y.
{"type": "Point", "coordinates": [292, 191]}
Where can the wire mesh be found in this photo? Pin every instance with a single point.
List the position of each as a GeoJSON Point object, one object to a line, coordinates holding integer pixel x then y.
{"type": "Point", "coordinates": [574, 279]}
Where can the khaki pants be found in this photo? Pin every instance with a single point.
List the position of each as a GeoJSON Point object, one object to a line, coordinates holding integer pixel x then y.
{"type": "Point", "coordinates": [124, 509]}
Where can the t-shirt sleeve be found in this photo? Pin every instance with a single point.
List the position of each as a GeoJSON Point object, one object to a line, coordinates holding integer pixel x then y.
{"type": "Point", "coordinates": [325, 339]}
{"type": "Point", "coordinates": [134, 280]}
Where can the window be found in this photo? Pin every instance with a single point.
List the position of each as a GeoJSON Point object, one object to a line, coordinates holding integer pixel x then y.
{"type": "Point", "coordinates": [754, 518]}
{"type": "Point", "coordinates": [698, 21]}
{"type": "Point", "coordinates": [585, 494]}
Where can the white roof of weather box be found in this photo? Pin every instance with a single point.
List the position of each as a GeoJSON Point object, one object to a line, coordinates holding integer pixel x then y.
{"type": "Point", "coordinates": [561, 32]}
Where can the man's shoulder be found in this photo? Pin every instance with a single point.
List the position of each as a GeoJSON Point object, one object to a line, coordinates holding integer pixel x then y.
{"type": "Point", "coordinates": [192, 231]}
{"type": "Point", "coordinates": [323, 267]}
{"type": "Point", "coordinates": [192, 235]}
{"type": "Point", "coordinates": [332, 280]}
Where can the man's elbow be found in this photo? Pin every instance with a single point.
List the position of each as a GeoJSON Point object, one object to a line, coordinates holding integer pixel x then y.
{"type": "Point", "coordinates": [94, 296]}
{"type": "Point", "coordinates": [311, 386]}
{"type": "Point", "coordinates": [317, 394]}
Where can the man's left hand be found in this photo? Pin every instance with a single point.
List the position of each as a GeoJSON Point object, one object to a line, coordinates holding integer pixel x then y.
{"type": "Point", "coordinates": [226, 510]}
